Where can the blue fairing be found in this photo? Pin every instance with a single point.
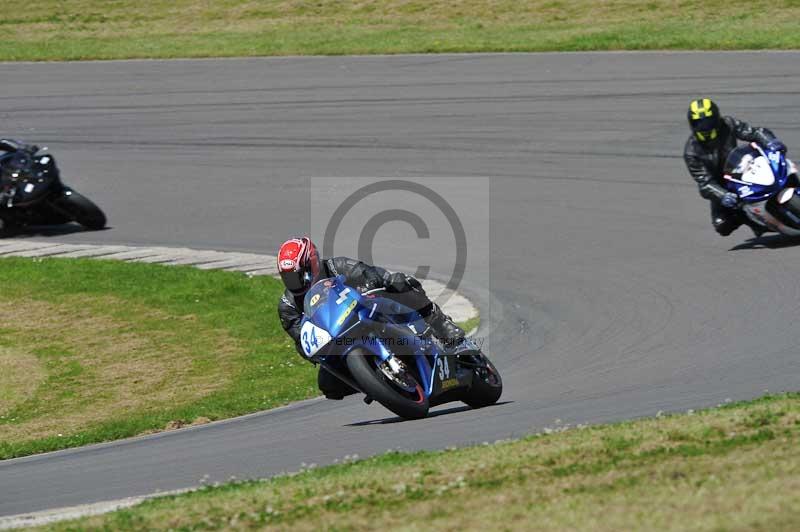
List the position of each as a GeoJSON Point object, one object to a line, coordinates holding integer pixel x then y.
{"type": "Point", "coordinates": [332, 306]}
{"type": "Point", "coordinates": [368, 322]}
{"type": "Point", "coordinates": [753, 192]}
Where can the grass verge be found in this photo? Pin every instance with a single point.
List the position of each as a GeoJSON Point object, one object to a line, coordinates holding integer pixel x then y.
{"type": "Point", "coordinates": [471, 324]}
{"type": "Point", "coordinates": [91, 29]}
{"type": "Point", "coordinates": [100, 350]}
{"type": "Point", "coordinates": [730, 468]}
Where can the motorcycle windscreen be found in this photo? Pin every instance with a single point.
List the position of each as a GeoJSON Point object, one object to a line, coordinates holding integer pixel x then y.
{"type": "Point", "coordinates": [385, 308]}
{"type": "Point", "coordinates": [332, 305]}
{"type": "Point", "coordinates": [753, 165]}
{"type": "Point", "coordinates": [739, 160]}
{"type": "Point", "coordinates": [316, 297]}
{"type": "Point", "coordinates": [760, 173]}
{"type": "Point", "coordinates": [754, 174]}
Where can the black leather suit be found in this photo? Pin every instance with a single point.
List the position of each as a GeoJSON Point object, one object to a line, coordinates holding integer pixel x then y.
{"type": "Point", "coordinates": [706, 161]}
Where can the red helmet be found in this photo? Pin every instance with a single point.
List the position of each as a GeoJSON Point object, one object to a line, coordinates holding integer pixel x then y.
{"type": "Point", "coordinates": [298, 264]}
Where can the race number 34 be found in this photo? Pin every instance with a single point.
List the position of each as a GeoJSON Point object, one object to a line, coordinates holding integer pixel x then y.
{"type": "Point", "coordinates": [444, 369]}
{"type": "Point", "coordinates": [312, 339]}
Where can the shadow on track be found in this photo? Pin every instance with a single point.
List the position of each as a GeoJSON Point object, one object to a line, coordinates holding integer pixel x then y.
{"type": "Point", "coordinates": [768, 242]}
{"type": "Point", "coordinates": [30, 231]}
{"type": "Point", "coordinates": [445, 412]}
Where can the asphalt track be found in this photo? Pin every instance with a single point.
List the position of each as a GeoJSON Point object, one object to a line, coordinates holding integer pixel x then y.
{"type": "Point", "coordinates": [608, 295]}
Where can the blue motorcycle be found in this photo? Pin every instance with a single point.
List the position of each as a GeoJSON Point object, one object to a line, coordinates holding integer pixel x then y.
{"type": "Point", "coordinates": [380, 348]}
{"type": "Point", "coordinates": [768, 187]}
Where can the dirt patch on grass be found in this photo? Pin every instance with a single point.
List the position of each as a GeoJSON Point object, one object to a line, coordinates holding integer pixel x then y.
{"type": "Point", "coordinates": [179, 424]}
{"type": "Point", "coordinates": [21, 374]}
{"type": "Point", "coordinates": [101, 359]}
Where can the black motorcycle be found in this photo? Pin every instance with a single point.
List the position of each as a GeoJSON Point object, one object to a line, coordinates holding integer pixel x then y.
{"type": "Point", "coordinates": [31, 193]}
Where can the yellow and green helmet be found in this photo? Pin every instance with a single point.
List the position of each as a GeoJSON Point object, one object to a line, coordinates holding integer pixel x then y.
{"type": "Point", "coordinates": [704, 119]}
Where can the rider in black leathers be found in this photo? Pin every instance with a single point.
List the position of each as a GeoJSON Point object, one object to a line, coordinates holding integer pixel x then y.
{"type": "Point", "coordinates": [713, 137]}
{"type": "Point", "coordinates": [400, 287]}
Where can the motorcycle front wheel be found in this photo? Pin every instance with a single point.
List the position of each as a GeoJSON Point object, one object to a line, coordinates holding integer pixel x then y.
{"type": "Point", "coordinates": [81, 209]}
{"type": "Point", "coordinates": [397, 390]}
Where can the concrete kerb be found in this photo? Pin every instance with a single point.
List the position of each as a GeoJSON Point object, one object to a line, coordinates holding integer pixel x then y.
{"type": "Point", "coordinates": [252, 264]}
{"type": "Point", "coordinates": [47, 517]}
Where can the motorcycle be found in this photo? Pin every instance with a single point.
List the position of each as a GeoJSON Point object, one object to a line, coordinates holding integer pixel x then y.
{"type": "Point", "coordinates": [31, 193]}
{"type": "Point", "coordinates": [378, 347]}
{"type": "Point", "coordinates": [768, 187]}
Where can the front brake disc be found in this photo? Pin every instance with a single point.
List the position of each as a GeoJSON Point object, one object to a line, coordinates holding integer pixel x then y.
{"type": "Point", "coordinates": [394, 370]}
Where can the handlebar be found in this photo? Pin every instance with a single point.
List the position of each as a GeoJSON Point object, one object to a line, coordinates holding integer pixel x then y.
{"type": "Point", "coordinates": [368, 292]}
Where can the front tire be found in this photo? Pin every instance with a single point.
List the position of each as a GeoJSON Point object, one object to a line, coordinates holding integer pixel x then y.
{"type": "Point", "coordinates": [81, 209]}
{"type": "Point", "coordinates": [793, 206]}
{"type": "Point", "coordinates": [376, 385]}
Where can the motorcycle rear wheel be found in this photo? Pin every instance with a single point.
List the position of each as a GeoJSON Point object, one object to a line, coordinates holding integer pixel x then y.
{"type": "Point", "coordinates": [363, 366]}
{"type": "Point", "coordinates": [487, 385]}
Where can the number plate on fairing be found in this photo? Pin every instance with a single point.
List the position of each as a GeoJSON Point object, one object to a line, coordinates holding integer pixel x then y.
{"type": "Point", "coordinates": [446, 375]}
{"type": "Point", "coordinates": [313, 338]}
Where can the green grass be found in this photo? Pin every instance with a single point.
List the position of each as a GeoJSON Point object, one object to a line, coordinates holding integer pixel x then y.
{"type": "Point", "coordinates": [90, 29]}
{"type": "Point", "coordinates": [730, 468]}
{"type": "Point", "coordinates": [470, 324]}
{"type": "Point", "coordinates": [100, 350]}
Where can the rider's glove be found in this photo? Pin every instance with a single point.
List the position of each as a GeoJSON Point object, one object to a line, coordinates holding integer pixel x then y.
{"type": "Point", "coordinates": [399, 282]}
{"type": "Point", "coordinates": [776, 145]}
{"type": "Point", "coordinates": [413, 282]}
{"type": "Point", "coordinates": [730, 200]}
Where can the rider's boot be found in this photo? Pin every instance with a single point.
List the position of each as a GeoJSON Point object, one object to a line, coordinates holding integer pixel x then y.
{"type": "Point", "coordinates": [725, 225]}
{"type": "Point", "coordinates": [332, 387]}
{"type": "Point", "coordinates": [443, 328]}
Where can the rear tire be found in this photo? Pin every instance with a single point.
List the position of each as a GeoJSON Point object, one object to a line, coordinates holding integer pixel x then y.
{"type": "Point", "coordinates": [487, 385]}
{"type": "Point", "coordinates": [376, 385]}
{"type": "Point", "coordinates": [81, 209]}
